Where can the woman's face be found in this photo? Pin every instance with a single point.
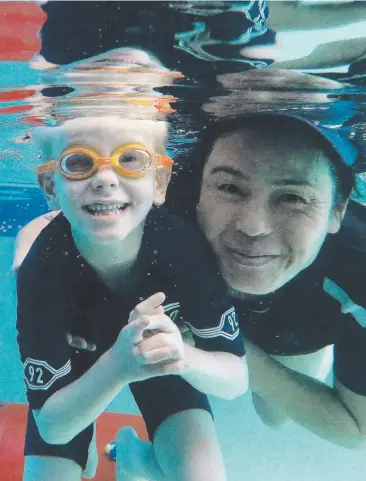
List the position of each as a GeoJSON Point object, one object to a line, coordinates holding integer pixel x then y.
{"type": "Point", "coordinates": [266, 206]}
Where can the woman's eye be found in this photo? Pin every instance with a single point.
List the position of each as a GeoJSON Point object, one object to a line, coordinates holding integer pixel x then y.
{"type": "Point", "coordinates": [230, 189]}
{"type": "Point", "coordinates": [293, 199]}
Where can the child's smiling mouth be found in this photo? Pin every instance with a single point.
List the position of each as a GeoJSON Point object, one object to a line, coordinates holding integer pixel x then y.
{"type": "Point", "coordinates": [106, 209]}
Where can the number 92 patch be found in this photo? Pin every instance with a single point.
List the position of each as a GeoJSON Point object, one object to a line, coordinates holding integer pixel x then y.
{"type": "Point", "coordinates": [39, 375]}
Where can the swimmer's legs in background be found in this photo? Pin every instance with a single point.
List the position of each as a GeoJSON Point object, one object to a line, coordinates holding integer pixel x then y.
{"type": "Point", "coordinates": [135, 458]}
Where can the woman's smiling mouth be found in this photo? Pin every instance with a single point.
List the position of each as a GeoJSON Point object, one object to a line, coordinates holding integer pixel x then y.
{"type": "Point", "coordinates": [250, 260]}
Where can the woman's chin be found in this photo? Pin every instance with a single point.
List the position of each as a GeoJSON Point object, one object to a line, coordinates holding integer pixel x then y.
{"type": "Point", "coordinates": [254, 285]}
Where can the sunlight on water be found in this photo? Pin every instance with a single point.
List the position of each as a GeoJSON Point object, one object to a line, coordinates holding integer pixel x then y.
{"type": "Point", "coordinates": [124, 83]}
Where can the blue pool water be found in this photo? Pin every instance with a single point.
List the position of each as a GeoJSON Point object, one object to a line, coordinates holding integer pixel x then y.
{"type": "Point", "coordinates": [251, 450]}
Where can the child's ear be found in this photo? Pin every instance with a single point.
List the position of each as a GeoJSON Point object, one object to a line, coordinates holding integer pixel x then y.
{"type": "Point", "coordinates": [159, 130]}
{"type": "Point", "coordinates": [47, 184]}
{"type": "Point", "coordinates": [163, 176]}
{"type": "Point", "coordinates": [337, 215]}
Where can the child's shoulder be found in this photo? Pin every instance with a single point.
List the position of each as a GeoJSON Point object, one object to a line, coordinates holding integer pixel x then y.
{"type": "Point", "coordinates": [177, 234]}
{"type": "Point", "coordinates": [182, 247]}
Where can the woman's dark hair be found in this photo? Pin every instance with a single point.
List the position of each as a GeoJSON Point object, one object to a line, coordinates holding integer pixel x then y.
{"type": "Point", "coordinates": [279, 125]}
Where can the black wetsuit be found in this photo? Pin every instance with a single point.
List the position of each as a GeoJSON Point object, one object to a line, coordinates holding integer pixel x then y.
{"type": "Point", "coordinates": [58, 292]}
{"type": "Point", "coordinates": [306, 314]}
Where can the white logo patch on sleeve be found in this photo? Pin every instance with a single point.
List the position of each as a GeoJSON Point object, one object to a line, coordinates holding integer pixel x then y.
{"type": "Point", "coordinates": [228, 327]}
{"type": "Point", "coordinates": [39, 375]}
{"type": "Point", "coordinates": [347, 305]}
{"type": "Point", "coordinates": [172, 310]}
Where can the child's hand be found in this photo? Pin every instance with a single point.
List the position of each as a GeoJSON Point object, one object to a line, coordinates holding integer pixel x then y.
{"type": "Point", "coordinates": [186, 334]}
{"type": "Point", "coordinates": [80, 343]}
{"type": "Point", "coordinates": [166, 343]}
{"type": "Point", "coordinates": [150, 345]}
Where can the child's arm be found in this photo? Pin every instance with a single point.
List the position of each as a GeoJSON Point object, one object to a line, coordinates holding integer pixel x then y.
{"type": "Point", "coordinates": [71, 409]}
{"type": "Point", "coordinates": [221, 374]}
{"type": "Point", "coordinates": [216, 373]}
{"type": "Point", "coordinates": [74, 407]}
{"type": "Point", "coordinates": [216, 365]}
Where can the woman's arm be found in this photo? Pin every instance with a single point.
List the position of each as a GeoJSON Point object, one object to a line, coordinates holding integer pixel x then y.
{"type": "Point", "coordinates": [327, 55]}
{"type": "Point", "coordinates": [214, 373]}
{"type": "Point", "coordinates": [316, 365]}
{"type": "Point", "coordinates": [28, 235]}
{"type": "Point", "coordinates": [308, 402]}
{"type": "Point", "coordinates": [294, 15]}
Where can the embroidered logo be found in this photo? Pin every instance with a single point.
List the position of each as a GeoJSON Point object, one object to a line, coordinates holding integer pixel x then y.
{"type": "Point", "coordinates": [228, 327]}
{"type": "Point", "coordinates": [172, 310]}
{"type": "Point", "coordinates": [39, 375]}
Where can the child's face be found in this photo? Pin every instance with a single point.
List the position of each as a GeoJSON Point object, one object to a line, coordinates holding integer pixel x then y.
{"type": "Point", "coordinates": [107, 207]}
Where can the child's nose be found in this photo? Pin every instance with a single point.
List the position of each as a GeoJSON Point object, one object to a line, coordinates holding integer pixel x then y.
{"type": "Point", "coordinates": [105, 177]}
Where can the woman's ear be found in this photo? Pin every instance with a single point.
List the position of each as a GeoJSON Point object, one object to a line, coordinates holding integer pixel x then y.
{"type": "Point", "coordinates": [163, 176]}
{"type": "Point", "coordinates": [47, 184]}
{"type": "Point", "coordinates": [337, 215]}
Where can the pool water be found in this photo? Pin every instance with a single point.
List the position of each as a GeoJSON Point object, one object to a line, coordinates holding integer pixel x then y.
{"type": "Point", "coordinates": [251, 450]}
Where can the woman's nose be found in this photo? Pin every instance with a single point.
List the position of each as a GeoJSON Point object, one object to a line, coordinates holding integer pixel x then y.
{"type": "Point", "coordinates": [255, 219]}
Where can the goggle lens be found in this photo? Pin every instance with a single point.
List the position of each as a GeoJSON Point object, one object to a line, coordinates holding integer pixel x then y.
{"type": "Point", "coordinates": [134, 160]}
{"type": "Point", "coordinates": [81, 163]}
{"type": "Point", "coordinates": [77, 163]}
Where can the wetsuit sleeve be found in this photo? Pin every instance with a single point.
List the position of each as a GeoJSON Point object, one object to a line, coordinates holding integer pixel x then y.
{"type": "Point", "coordinates": [205, 304]}
{"type": "Point", "coordinates": [41, 317]}
{"type": "Point", "coordinates": [44, 309]}
{"type": "Point", "coordinates": [345, 283]}
{"type": "Point", "coordinates": [214, 325]}
{"type": "Point", "coordinates": [350, 356]}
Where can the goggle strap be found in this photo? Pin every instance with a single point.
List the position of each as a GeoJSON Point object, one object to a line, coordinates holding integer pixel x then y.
{"type": "Point", "coordinates": [164, 160]}
{"type": "Point", "coordinates": [161, 160]}
{"type": "Point", "coordinates": [51, 165]}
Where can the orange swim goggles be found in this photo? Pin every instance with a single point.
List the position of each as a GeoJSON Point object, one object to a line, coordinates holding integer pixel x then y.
{"type": "Point", "coordinates": [132, 161]}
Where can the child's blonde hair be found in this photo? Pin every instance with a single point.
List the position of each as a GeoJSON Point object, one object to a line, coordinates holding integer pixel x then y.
{"type": "Point", "coordinates": [50, 140]}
